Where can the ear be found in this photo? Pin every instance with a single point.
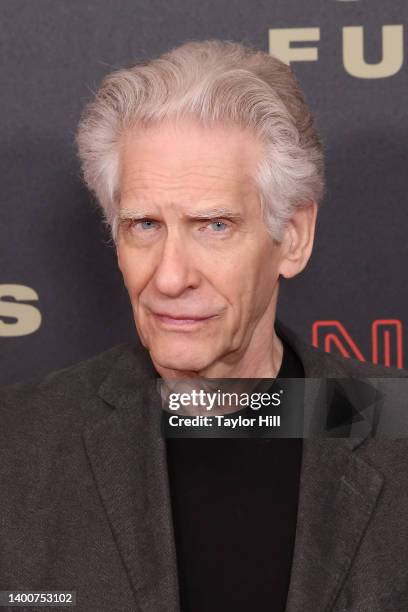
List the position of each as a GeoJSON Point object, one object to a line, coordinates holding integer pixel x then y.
{"type": "Point", "coordinates": [298, 240]}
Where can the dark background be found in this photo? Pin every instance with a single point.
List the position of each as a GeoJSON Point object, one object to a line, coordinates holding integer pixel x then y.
{"type": "Point", "coordinates": [53, 55]}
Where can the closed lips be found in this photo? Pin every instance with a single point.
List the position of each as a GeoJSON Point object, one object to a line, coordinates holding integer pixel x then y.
{"type": "Point", "coordinates": [180, 317]}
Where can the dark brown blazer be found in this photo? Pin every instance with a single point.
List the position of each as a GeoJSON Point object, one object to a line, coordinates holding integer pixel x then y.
{"type": "Point", "coordinates": [84, 495]}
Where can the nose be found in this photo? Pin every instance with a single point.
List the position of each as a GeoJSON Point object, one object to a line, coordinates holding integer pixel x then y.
{"type": "Point", "coordinates": [175, 271]}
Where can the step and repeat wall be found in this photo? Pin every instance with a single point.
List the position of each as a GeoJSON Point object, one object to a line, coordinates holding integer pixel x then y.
{"type": "Point", "coordinates": [61, 295]}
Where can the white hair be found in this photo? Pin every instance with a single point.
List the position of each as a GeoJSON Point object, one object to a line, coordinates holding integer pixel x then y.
{"type": "Point", "coordinates": [210, 81]}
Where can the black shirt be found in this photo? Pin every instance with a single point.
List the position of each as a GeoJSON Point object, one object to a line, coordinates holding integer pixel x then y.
{"type": "Point", "coordinates": [234, 504]}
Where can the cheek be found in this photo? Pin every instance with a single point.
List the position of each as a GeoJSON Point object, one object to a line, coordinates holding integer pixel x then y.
{"type": "Point", "coordinates": [235, 277]}
{"type": "Point", "coordinates": [133, 273]}
{"type": "Point", "coordinates": [266, 263]}
{"type": "Point", "coordinates": [255, 281]}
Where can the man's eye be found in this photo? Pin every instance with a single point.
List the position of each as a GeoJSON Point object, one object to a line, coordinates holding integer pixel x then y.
{"type": "Point", "coordinates": [218, 226]}
{"type": "Point", "coordinates": [143, 224]}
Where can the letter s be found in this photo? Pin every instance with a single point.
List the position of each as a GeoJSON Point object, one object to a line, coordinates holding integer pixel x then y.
{"type": "Point", "coordinates": [28, 318]}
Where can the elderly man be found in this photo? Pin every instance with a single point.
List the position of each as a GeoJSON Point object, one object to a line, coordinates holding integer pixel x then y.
{"type": "Point", "coordinates": [209, 172]}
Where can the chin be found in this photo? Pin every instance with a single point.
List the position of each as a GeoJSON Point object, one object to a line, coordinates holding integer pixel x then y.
{"type": "Point", "coordinates": [179, 356]}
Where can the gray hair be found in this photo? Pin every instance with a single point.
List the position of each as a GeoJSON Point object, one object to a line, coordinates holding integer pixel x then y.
{"type": "Point", "coordinates": [210, 81]}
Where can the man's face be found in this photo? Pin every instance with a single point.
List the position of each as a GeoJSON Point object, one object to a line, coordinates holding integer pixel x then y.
{"type": "Point", "coordinates": [199, 265]}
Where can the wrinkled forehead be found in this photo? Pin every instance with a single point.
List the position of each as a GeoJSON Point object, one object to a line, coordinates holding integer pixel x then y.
{"type": "Point", "coordinates": [188, 163]}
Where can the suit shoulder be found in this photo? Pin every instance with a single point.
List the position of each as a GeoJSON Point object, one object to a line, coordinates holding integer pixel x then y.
{"type": "Point", "coordinates": [327, 365]}
{"type": "Point", "coordinates": [60, 391]}
{"type": "Point", "coordinates": [364, 369]}
{"type": "Point", "coordinates": [319, 364]}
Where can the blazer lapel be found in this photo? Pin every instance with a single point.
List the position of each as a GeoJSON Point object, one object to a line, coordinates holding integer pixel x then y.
{"type": "Point", "coordinates": [338, 493]}
{"type": "Point", "coordinates": [127, 457]}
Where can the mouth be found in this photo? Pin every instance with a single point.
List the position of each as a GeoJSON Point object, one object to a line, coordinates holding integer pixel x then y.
{"type": "Point", "coordinates": [178, 321]}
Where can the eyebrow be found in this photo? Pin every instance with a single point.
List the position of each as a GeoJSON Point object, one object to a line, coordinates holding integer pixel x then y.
{"type": "Point", "coordinates": [211, 213]}
{"type": "Point", "coordinates": [131, 213]}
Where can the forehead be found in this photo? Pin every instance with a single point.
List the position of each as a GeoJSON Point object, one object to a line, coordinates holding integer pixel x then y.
{"type": "Point", "coordinates": [188, 161]}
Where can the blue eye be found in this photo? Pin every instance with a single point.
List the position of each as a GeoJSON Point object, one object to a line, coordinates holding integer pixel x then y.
{"type": "Point", "coordinates": [145, 223]}
{"type": "Point", "coordinates": [218, 225]}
